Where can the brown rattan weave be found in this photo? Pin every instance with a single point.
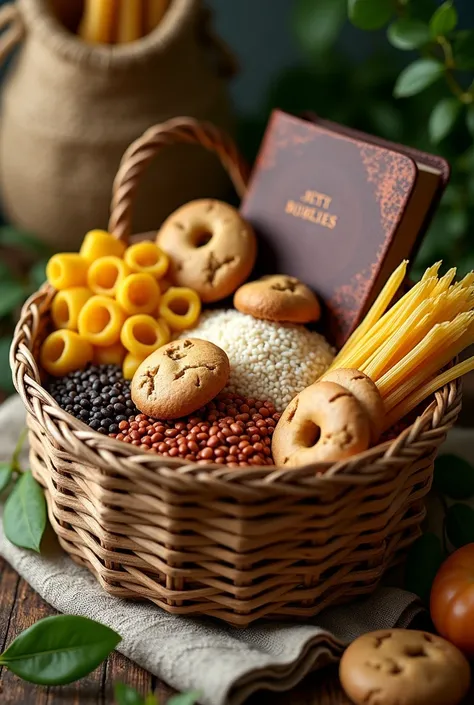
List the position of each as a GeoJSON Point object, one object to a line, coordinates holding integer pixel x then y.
{"type": "Point", "coordinates": [233, 543]}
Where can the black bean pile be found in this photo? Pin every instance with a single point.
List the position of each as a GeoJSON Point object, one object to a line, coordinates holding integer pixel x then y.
{"type": "Point", "coordinates": [97, 395]}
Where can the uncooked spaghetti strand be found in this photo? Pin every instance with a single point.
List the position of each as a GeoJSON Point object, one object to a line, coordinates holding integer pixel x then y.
{"type": "Point", "coordinates": [410, 332]}
{"type": "Point", "coordinates": [432, 271]}
{"type": "Point", "coordinates": [380, 305]}
{"type": "Point", "coordinates": [426, 390]}
{"type": "Point", "coordinates": [374, 338]}
{"type": "Point", "coordinates": [436, 340]}
{"type": "Point", "coordinates": [468, 280]}
{"type": "Point", "coordinates": [429, 368]}
{"type": "Point", "coordinates": [444, 282]}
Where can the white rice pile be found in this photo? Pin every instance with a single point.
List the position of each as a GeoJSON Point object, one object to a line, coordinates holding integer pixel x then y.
{"type": "Point", "coordinates": [269, 361]}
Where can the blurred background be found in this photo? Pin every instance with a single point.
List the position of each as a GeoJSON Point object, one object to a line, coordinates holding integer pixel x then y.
{"type": "Point", "coordinates": [302, 55]}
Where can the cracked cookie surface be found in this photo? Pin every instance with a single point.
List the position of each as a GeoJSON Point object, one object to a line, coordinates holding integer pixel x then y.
{"type": "Point", "coordinates": [212, 249]}
{"type": "Point", "coordinates": [278, 297]}
{"type": "Point", "coordinates": [323, 423]}
{"type": "Point", "coordinates": [404, 667]}
{"type": "Point", "coordinates": [179, 378]}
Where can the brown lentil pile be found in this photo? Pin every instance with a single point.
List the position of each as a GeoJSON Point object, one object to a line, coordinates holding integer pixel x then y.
{"type": "Point", "coordinates": [231, 430]}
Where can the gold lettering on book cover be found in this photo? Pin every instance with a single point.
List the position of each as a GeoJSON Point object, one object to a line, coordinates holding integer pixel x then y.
{"type": "Point", "coordinates": [312, 206]}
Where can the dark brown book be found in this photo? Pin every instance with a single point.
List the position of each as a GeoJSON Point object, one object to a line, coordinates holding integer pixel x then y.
{"type": "Point", "coordinates": [340, 210]}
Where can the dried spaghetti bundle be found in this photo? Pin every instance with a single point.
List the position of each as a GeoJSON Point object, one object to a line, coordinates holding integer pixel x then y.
{"type": "Point", "coordinates": [404, 348]}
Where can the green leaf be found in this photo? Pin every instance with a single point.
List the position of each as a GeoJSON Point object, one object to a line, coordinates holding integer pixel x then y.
{"type": "Point", "coordinates": [417, 76]}
{"type": "Point", "coordinates": [125, 695]}
{"type": "Point", "coordinates": [407, 34]}
{"type": "Point", "coordinates": [442, 118]}
{"type": "Point", "coordinates": [6, 382]}
{"type": "Point", "coordinates": [59, 650]}
{"type": "Point", "coordinates": [185, 698]}
{"type": "Point", "coordinates": [470, 119]}
{"type": "Point", "coordinates": [460, 524]}
{"type": "Point", "coordinates": [24, 517]}
{"type": "Point", "coordinates": [370, 14]}
{"type": "Point", "coordinates": [423, 561]}
{"type": "Point", "coordinates": [453, 477]}
{"type": "Point", "coordinates": [6, 472]}
{"type": "Point", "coordinates": [316, 25]}
{"type": "Point", "coordinates": [12, 294]}
{"type": "Point", "coordinates": [150, 699]}
{"type": "Point", "coordinates": [463, 50]}
{"type": "Point", "coordinates": [444, 20]}
{"type": "Point", "coordinates": [14, 237]}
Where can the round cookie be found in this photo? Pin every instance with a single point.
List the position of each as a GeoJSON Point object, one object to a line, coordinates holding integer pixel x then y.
{"type": "Point", "coordinates": [395, 666]}
{"type": "Point", "coordinates": [212, 249]}
{"type": "Point", "coordinates": [278, 298]}
{"type": "Point", "coordinates": [323, 424]}
{"type": "Point", "coordinates": [179, 378]}
{"type": "Point", "coordinates": [366, 393]}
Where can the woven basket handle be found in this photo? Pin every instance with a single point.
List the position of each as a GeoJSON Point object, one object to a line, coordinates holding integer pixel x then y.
{"type": "Point", "coordinates": [180, 130]}
{"type": "Point", "coordinates": [12, 29]}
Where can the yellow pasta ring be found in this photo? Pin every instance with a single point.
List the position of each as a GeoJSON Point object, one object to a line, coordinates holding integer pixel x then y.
{"type": "Point", "coordinates": [142, 334]}
{"type": "Point", "coordinates": [63, 352]}
{"type": "Point", "coordinates": [106, 274]}
{"type": "Point", "coordinates": [138, 293]}
{"type": "Point", "coordinates": [180, 307]}
{"type": "Point", "coordinates": [67, 305]}
{"type": "Point", "coordinates": [147, 257]}
{"type": "Point", "coordinates": [101, 321]}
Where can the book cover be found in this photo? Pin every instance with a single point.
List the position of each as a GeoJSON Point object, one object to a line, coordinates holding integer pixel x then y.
{"type": "Point", "coordinates": [327, 207]}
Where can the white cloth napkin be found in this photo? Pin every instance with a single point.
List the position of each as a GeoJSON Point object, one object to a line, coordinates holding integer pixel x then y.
{"type": "Point", "coordinates": [225, 664]}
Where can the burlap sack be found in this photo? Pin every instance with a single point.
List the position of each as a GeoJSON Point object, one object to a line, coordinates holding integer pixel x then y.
{"type": "Point", "coordinates": [69, 111]}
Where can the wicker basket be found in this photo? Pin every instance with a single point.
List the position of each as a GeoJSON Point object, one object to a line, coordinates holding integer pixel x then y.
{"type": "Point", "coordinates": [232, 543]}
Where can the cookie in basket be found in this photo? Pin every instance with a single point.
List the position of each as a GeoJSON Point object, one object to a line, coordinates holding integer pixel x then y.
{"type": "Point", "coordinates": [278, 297]}
{"type": "Point", "coordinates": [179, 378]}
{"type": "Point", "coordinates": [212, 249]}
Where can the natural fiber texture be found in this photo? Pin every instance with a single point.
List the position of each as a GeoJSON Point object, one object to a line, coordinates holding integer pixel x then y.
{"type": "Point", "coordinates": [70, 109]}
{"type": "Point", "coordinates": [232, 543]}
{"type": "Point", "coordinates": [226, 665]}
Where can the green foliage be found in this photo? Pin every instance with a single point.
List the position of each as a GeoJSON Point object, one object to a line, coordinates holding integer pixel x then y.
{"type": "Point", "coordinates": [408, 34]}
{"type": "Point", "coordinates": [417, 76]}
{"type": "Point", "coordinates": [6, 474]}
{"type": "Point", "coordinates": [24, 517]}
{"type": "Point", "coordinates": [125, 695]}
{"type": "Point", "coordinates": [318, 24]}
{"type": "Point", "coordinates": [370, 14]}
{"type": "Point", "coordinates": [18, 280]}
{"type": "Point", "coordinates": [460, 524]}
{"type": "Point", "coordinates": [442, 118]}
{"type": "Point", "coordinates": [423, 562]}
{"type": "Point", "coordinates": [59, 650]}
{"type": "Point", "coordinates": [444, 20]}
{"type": "Point", "coordinates": [453, 477]}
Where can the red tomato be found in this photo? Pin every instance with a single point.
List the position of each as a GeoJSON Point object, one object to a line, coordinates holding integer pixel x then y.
{"type": "Point", "coordinates": [452, 599]}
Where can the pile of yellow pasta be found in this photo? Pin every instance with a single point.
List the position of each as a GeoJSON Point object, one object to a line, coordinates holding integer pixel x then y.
{"type": "Point", "coordinates": [113, 305]}
{"type": "Point", "coordinates": [403, 348]}
{"type": "Point", "coordinates": [120, 21]}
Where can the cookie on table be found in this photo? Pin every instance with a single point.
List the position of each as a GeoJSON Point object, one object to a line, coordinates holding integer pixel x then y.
{"type": "Point", "coordinates": [394, 666]}
{"type": "Point", "coordinates": [212, 249]}
{"type": "Point", "coordinates": [179, 378]}
{"type": "Point", "coordinates": [278, 298]}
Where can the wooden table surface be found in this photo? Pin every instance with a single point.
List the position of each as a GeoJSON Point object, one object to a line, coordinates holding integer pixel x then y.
{"type": "Point", "coordinates": [20, 607]}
